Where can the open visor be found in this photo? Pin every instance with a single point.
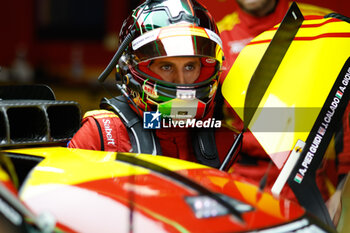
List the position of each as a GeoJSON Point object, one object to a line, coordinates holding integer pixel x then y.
{"type": "Point", "coordinates": [177, 40]}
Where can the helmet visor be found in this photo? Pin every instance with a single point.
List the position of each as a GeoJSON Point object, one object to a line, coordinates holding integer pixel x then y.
{"type": "Point", "coordinates": [177, 40]}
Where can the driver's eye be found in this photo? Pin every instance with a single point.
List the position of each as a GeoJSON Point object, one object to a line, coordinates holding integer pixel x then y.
{"type": "Point", "coordinates": [166, 67]}
{"type": "Point", "coordinates": [189, 67]}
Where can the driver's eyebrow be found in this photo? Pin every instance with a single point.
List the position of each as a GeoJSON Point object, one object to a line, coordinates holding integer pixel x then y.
{"type": "Point", "coordinates": [161, 63]}
{"type": "Point", "coordinates": [193, 63]}
{"type": "Point", "coordinates": [165, 63]}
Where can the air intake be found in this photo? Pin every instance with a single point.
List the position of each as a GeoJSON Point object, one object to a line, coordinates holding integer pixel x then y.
{"type": "Point", "coordinates": [36, 121]}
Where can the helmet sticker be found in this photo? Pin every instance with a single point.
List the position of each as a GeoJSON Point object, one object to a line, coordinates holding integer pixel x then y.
{"type": "Point", "coordinates": [145, 39]}
{"type": "Point", "coordinates": [150, 91]}
{"type": "Point", "coordinates": [210, 60]}
{"type": "Point", "coordinates": [185, 94]}
{"type": "Point", "coordinates": [182, 108]}
{"type": "Point", "coordinates": [213, 36]}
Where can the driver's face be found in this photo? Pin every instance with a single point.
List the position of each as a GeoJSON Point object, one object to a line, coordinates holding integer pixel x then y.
{"type": "Point", "coordinates": [180, 70]}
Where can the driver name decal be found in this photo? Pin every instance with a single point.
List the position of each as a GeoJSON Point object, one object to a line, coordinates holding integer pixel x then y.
{"type": "Point", "coordinates": [322, 129]}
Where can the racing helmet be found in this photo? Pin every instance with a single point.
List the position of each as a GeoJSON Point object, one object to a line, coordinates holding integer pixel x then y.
{"type": "Point", "coordinates": [171, 28]}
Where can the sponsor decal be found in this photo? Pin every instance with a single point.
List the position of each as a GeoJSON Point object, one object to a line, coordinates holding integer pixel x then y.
{"type": "Point", "coordinates": [210, 60]}
{"type": "Point", "coordinates": [186, 94]}
{"type": "Point", "coordinates": [108, 131]}
{"type": "Point", "coordinates": [214, 37]}
{"type": "Point", "coordinates": [151, 91]}
{"type": "Point", "coordinates": [145, 39]}
{"type": "Point", "coordinates": [317, 140]}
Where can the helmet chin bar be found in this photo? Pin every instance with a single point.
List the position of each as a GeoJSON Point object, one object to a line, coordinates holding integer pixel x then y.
{"type": "Point", "coordinates": [181, 109]}
{"type": "Point", "coordinates": [180, 103]}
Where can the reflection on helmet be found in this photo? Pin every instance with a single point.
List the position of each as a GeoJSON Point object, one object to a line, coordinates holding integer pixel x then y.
{"type": "Point", "coordinates": [168, 28]}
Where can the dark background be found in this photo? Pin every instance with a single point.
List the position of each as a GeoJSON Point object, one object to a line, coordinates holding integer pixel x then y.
{"type": "Point", "coordinates": [67, 43]}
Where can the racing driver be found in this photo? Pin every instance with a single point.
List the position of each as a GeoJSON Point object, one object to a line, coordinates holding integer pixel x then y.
{"type": "Point", "coordinates": [171, 68]}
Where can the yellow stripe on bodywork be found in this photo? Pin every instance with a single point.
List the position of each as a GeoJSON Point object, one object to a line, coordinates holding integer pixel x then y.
{"type": "Point", "coordinates": [72, 166]}
{"type": "Point", "coordinates": [167, 162]}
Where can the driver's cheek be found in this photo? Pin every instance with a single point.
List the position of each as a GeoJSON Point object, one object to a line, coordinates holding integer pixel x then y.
{"type": "Point", "coordinates": [169, 77]}
{"type": "Point", "coordinates": [190, 77]}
